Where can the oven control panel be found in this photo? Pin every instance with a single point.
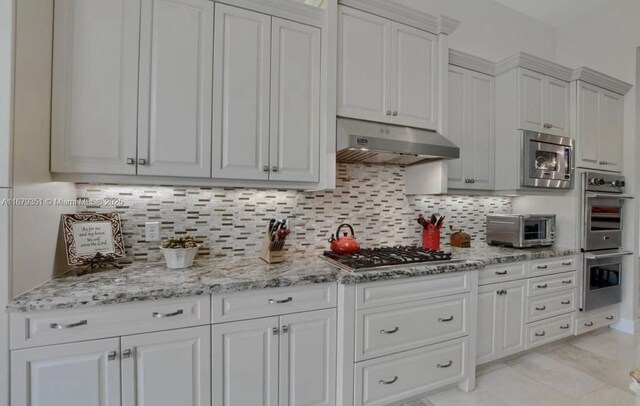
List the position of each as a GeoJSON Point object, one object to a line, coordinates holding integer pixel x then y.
{"type": "Point", "coordinates": [604, 182]}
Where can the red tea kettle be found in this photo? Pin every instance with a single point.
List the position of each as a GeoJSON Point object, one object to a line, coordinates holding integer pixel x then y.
{"type": "Point", "coordinates": [346, 244]}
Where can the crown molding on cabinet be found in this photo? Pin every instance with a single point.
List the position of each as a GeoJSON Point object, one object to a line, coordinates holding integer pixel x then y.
{"type": "Point", "coordinates": [471, 62]}
{"type": "Point", "coordinates": [283, 8]}
{"type": "Point", "coordinates": [536, 64]}
{"type": "Point", "coordinates": [601, 80]}
{"type": "Point", "coordinates": [393, 11]}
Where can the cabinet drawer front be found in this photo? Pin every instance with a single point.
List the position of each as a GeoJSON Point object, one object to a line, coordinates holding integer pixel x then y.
{"type": "Point", "coordinates": [552, 283]}
{"type": "Point", "coordinates": [546, 331]}
{"type": "Point", "coordinates": [596, 319]}
{"type": "Point", "coordinates": [272, 302]}
{"type": "Point", "coordinates": [542, 307]}
{"type": "Point", "coordinates": [552, 265]}
{"type": "Point", "coordinates": [411, 289]}
{"type": "Point", "coordinates": [386, 380]}
{"type": "Point", "coordinates": [61, 326]}
{"type": "Point", "coordinates": [501, 273]}
{"type": "Point", "coordinates": [383, 331]}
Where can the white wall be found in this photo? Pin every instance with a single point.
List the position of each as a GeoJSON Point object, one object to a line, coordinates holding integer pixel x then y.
{"type": "Point", "coordinates": [490, 29]}
{"type": "Point", "coordinates": [6, 86]}
{"type": "Point", "coordinates": [35, 228]}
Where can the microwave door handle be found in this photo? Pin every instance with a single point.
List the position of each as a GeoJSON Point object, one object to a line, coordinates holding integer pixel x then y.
{"type": "Point", "coordinates": [567, 170]}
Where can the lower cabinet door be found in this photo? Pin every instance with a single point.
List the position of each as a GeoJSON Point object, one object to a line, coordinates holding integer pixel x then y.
{"type": "Point", "coordinates": [167, 368]}
{"type": "Point", "coordinates": [488, 323]}
{"type": "Point", "coordinates": [308, 359]}
{"type": "Point", "coordinates": [245, 363]}
{"type": "Point", "coordinates": [512, 338]}
{"type": "Point", "coordinates": [84, 373]}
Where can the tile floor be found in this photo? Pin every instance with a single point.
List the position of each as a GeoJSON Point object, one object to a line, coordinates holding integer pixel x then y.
{"type": "Point", "coordinates": [590, 370]}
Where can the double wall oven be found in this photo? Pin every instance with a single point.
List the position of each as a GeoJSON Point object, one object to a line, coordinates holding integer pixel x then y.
{"type": "Point", "coordinates": [603, 209]}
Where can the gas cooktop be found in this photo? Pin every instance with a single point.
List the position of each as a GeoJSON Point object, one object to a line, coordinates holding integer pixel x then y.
{"type": "Point", "coordinates": [375, 258]}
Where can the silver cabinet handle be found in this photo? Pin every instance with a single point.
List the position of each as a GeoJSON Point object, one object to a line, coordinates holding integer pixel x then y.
{"type": "Point", "coordinates": [609, 317]}
{"type": "Point", "coordinates": [447, 365]}
{"type": "Point", "coordinates": [287, 300]}
{"type": "Point", "coordinates": [501, 273]}
{"type": "Point", "coordinates": [542, 267]}
{"type": "Point", "coordinates": [542, 286]}
{"type": "Point", "coordinates": [568, 263]}
{"type": "Point", "coordinates": [72, 325]}
{"type": "Point", "coordinates": [541, 308]}
{"type": "Point", "coordinates": [395, 330]}
{"type": "Point", "coordinates": [388, 112]}
{"type": "Point", "coordinates": [142, 161]}
{"type": "Point", "coordinates": [570, 281]}
{"type": "Point", "coordinates": [544, 333]}
{"type": "Point", "coordinates": [112, 356]}
{"type": "Point", "coordinates": [274, 168]}
{"type": "Point", "coordinates": [126, 354]}
{"type": "Point", "coordinates": [445, 320]}
{"type": "Point", "coordinates": [589, 324]}
{"type": "Point", "coordinates": [383, 382]}
{"type": "Point", "coordinates": [276, 331]}
{"type": "Point", "coordinates": [566, 302]}
{"type": "Point", "coordinates": [285, 329]}
{"type": "Point", "coordinates": [265, 168]}
{"type": "Point", "coordinates": [395, 113]}
{"type": "Point", "coordinates": [161, 316]}
{"type": "Point", "coordinates": [473, 180]}
{"type": "Point", "coordinates": [131, 161]}
{"type": "Point", "coordinates": [566, 326]}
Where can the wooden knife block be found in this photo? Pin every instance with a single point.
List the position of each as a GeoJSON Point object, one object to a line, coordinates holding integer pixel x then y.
{"type": "Point", "coordinates": [268, 255]}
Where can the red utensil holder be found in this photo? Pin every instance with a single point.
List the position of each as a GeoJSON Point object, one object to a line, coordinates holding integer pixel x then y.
{"type": "Point", "coordinates": [431, 239]}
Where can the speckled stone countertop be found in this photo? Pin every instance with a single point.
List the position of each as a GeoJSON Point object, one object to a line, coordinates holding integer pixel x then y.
{"type": "Point", "coordinates": [150, 281]}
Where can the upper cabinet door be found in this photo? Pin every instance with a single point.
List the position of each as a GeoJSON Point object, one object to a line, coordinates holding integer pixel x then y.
{"type": "Point", "coordinates": [84, 373]}
{"type": "Point", "coordinates": [414, 74]}
{"type": "Point", "coordinates": [176, 57]}
{"type": "Point", "coordinates": [308, 359]}
{"type": "Point", "coordinates": [457, 125]}
{"type": "Point", "coordinates": [364, 64]}
{"type": "Point", "coordinates": [557, 107]}
{"type": "Point", "coordinates": [479, 148]}
{"type": "Point", "coordinates": [95, 86]}
{"type": "Point", "coordinates": [532, 100]}
{"type": "Point", "coordinates": [295, 102]}
{"type": "Point", "coordinates": [242, 74]}
{"type": "Point", "coordinates": [611, 137]}
{"type": "Point", "coordinates": [168, 368]}
{"type": "Point", "coordinates": [588, 125]}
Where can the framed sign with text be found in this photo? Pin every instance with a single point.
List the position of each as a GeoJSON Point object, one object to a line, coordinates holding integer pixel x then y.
{"type": "Point", "coordinates": [87, 236]}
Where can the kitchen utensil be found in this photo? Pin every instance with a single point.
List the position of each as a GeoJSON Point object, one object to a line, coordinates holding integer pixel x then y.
{"type": "Point", "coordinates": [434, 219]}
{"type": "Point", "coordinates": [440, 222]}
{"type": "Point", "coordinates": [345, 244]}
{"type": "Point", "coordinates": [422, 221]}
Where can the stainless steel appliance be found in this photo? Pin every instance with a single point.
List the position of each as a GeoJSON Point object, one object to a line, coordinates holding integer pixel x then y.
{"type": "Point", "coordinates": [520, 230]}
{"type": "Point", "coordinates": [603, 211]}
{"type": "Point", "coordinates": [366, 141]}
{"type": "Point", "coordinates": [547, 161]}
{"type": "Point", "coordinates": [376, 258]}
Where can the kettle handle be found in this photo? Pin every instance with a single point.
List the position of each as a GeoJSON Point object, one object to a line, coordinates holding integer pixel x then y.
{"type": "Point", "coordinates": [350, 229]}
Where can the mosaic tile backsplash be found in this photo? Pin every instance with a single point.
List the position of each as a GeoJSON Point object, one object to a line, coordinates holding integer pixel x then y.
{"type": "Point", "coordinates": [232, 221]}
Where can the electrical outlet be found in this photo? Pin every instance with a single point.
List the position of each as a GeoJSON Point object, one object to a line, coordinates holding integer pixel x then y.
{"type": "Point", "coordinates": [152, 231]}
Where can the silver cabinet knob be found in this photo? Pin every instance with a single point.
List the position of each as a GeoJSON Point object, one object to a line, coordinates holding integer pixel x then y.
{"type": "Point", "coordinates": [285, 329]}
{"type": "Point", "coordinates": [112, 356]}
{"type": "Point", "coordinates": [142, 162]}
{"type": "Point", "coordinates": [388, 112]}
{"type": "Point", "coordinates": [265, 168]}
{"type": "Point", "coordinates": [274, 168]}
{"type": "Point", "coordinates": [276, 331]}
{"type": "Point", "coordinates": [395, 113]}
{"type": "Point", "coordinates": [131, 161]}
{"type": "Point", "coordinates": [126, 354]}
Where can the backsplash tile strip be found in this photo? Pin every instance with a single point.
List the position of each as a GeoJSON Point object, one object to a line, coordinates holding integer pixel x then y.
{"type": "Point", "coordinates": [230, 222]}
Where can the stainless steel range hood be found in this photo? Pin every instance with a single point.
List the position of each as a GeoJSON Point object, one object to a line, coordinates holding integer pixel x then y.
{"type": "Point", "coordinates": [366, 141]}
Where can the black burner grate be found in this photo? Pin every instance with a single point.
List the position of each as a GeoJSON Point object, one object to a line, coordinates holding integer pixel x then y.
{"type": "Point", "coordinates": [398, 255]}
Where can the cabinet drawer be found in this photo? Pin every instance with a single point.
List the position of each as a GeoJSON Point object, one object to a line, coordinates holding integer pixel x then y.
{"type": "Point", "coordinates": [383, 381]}
{"type": "Point", "coordinates": [552, 283]}
{"type": "Point", "coordinates": [62, 326]}
{"type": "Point", "coordinates": [546, 331]}
{"type": "Point", "coordinates": [595, 319]}
{"type": "Point", "coordinates": [272, 302]}
{"type": "Point", "coordinates": [411, 289]}
{"type": "Point", "coordinates": [551, 265]}
{"type": "Point", "coordinates": [382, 331]}
{"type": "Point", "coordinates": [501, 273]}
{"type": "Point", "coordinates": [542, 307]}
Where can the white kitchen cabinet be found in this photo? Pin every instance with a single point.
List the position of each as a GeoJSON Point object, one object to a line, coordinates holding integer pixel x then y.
{"type": "Point", "coordinates": [543, 103]}
{"type": "Point", "coordinates": [308, 359]}
{"type": "Point", "coordinates": [500, 320]}
{"type": "Point", "coordinates": [95, 86]}
{"type": "Point", "coordinates": [387, 71]}
{"type": "Point", "coordinates": [267, 97]}
{"type": "Point", "coordinates": [176, 57]}
{"type": "Point", "coordinates": [471, 127]}
{"type": "Point", "coordinates": [85, 373]}
{"type": "Point", "coordinates": [167, 368]}
{"type": "Point", "coordinates": [245, 362]}
{"type": "Point", "coordinates": [600, 121]}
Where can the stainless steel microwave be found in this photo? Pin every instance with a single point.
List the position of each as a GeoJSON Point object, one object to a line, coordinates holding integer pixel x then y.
{"type": "Point", "coordinates": [547, 161]}
{"type": "Point", "coordinates": [520, 230]}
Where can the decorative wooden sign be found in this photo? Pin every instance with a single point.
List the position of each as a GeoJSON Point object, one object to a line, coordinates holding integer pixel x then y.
{"type": "Point", "coordinates": [91, 236]}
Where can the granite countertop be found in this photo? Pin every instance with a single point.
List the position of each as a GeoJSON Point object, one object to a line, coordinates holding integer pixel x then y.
{"type": "Point", "coordinates": [150, 281]}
